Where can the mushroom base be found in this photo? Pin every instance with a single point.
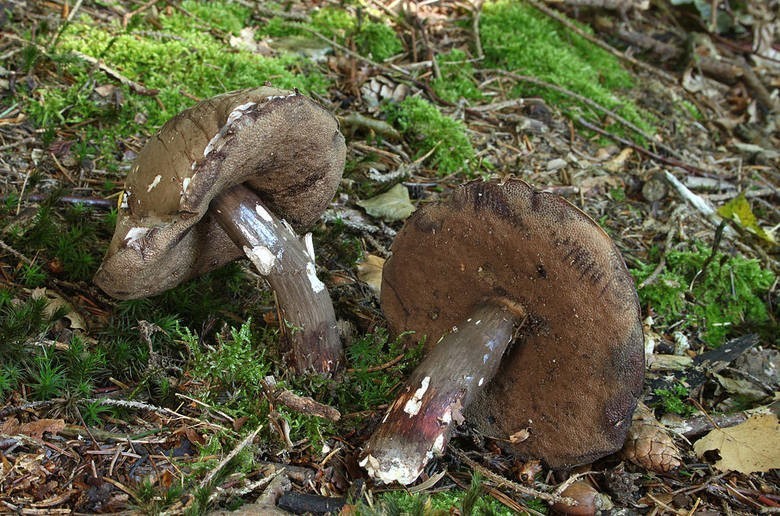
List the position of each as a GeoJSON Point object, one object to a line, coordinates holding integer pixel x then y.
{"type": "Point", "coordinates": [418, 424]}
{"type": "Point", "coordinates": [288, 266]}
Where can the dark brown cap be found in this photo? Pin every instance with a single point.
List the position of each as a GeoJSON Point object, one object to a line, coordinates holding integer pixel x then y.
{"type": "Point", "coordinates": [280, 144]}
{"type": "Point", "coordinates": [575, 371]}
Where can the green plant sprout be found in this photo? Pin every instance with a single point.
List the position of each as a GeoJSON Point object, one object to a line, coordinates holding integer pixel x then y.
{"type": "Point", "coordinates": [673, 400]}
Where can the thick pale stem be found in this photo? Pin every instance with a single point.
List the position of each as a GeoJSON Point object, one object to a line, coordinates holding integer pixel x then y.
{"type": "Point", "coordinates": [417, 425]}
{"type": "Point", "coordinates": [284, 260]}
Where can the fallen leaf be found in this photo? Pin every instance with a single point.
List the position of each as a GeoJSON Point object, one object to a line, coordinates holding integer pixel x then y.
{"type": "Point", "coordinates": [55, 303]}
{"type": "Point", "coordinates": [738, 209]}
{"type": "Point", "coordinates": [618, 162]}
{"type": "Point", "coordinates": [391, 206]}
{"type": "Point", "coordinates": [749, 447]}
{"type": "Point", "coordinates": [370, 272]}
{"type": "Point", "coordinates": [36, 429]}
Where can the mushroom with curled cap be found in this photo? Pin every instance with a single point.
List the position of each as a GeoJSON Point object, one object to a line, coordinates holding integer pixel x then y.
{"type": "Point", "coordinates": [232, 176]}
{"type": "Point", "coordinates": [533, 331]}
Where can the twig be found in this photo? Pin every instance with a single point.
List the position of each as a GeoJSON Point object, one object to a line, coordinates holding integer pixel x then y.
{"type": "Point", "coordinates": [596, 41]}
{"type": "Point", "coordinates": [585, 100]}
{"type": "Point", "coordinates": [514, 486]}
{"type": "Point", "coordinates": [475, 28]}
{"type": "Point", "coordinates": [126, 18]}
{"type": "Point", "coordinates": [235, 451]}
{"type": "Point", "coordinates": [647, 152]}
{"type": "Point", "coordinates": [377, 126]}
{"type": "Point", "coordinates": [698, 202]}
{"type": "Point", "coordinates": [16, 253]}
{"type": "Point", "coordinates": [135, 86]}
{"type": "Point", "coordinates": [379, 367]}
{"type": "Point", "coordinates": [301, 404]}
{"type": "Point", "coordinates": [275, 13]}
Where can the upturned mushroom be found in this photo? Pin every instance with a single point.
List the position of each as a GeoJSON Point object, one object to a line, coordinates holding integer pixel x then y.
{"type": "Point", "coordinates": [235, 175]}
{"type": "Point", "coordinates": [532, 325]}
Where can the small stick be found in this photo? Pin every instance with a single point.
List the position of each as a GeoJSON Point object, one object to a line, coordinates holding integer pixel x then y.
{"type": "Point", "coordinates": [650, 154]}
{"type": "Point", "coordinates": [584, 100]}
{"type": "Point", "coordinates": [504, 482]}
{"type": "Point", "coordinates": [301, 404]}
{"type": "Point", "coordinates": [235, 451]}
{"type": "Point", "coordinates": [135, 86]}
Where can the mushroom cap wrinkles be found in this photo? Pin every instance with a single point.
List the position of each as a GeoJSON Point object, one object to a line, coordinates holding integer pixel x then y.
{"type": "Point", "coordinates": [282, 145]}
{"type": "Point", "coordinates": [574, 372]}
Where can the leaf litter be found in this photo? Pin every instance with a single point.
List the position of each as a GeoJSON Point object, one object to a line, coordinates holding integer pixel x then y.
{"type": "Point", "coordinates": [714, 136]}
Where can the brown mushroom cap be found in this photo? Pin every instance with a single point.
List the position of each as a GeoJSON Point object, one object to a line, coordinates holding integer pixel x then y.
{"type": "Point", "coordinates": [280, 144]}
{"type": "Point", "coordinates": [575, 371]}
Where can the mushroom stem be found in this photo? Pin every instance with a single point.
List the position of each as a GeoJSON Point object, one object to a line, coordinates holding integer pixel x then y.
{"type": "Point", "coordinates": [417, 425]}
{"type": "Point", "coordinates": [283, 259]}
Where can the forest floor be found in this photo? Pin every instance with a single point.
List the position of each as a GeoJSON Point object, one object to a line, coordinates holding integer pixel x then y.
{"type": "Point", "coordinates": [661, 123]}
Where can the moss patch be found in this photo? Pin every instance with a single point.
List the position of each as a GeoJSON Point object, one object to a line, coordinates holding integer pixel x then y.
{"type": "Point", "coordinates": [429, 130]}
{"type": "Point", "coordinates": [712, 300]}
{"type": "Point", "coordinates": [457, 78]}
{"type": "Point", "coordinates": [518, 38]}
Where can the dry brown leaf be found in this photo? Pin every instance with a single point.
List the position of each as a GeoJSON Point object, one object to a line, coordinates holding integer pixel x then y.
{"type": "Point", "coordinates": [618, 162]}
{"type": "Point", "coordinates": [10, 426]}
{"type": "Point", "coordinates": [750, 447]}
{"type": "Point", "coordinates": [370, 272]}
{"type": "Point", "coordinates": [55, 302]}
{"type": "Point", "coordinates": [36, 429]}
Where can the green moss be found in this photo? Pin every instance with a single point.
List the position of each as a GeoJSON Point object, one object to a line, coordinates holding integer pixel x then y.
{"type": "Point", "coordinates": [377, 41]}
{"type": "Point", "coordinates": [518, 38]}
{"type": "Point", "coordinates": [226, 16]}
{"type": "Point", "coordinates": [674, 399]}
{"type": "Point", "coordinates": [457, 78]}
{"type": "Point", "coordinates": [441, 503]}
{"type": "Point", "coordinates": [428, 130]}
{"type": "Point", "coordinates": [715, 300]}
{"type": "Point", "coordinates": [173, 53]}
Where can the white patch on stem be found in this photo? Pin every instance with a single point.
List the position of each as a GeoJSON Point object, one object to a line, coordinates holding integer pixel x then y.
{"type": "Point", "coordinates": [154, 183]}
{"type": "Point", "coordinates": [262, 257]}
{"type": "Point", "coordinates": [413, 406]}
{"type": "Point", "coordinates": [212, 143]}
{"type": "Point", "coordinates": [123, 203]}
{"type": "Point", "coordinates": [134, 235]}
{"type": "Point", "coordinates": [309, 245]}
{"type": "Point", "coordinates": [311, 273]}
{"type": "Point", "coordinates": [238, 112]}
{"type": "Point", "coordinates": [262, 213]}
{"type": "Point", "coordinates": [185, 183]}
{"type": "Point", "coordinates": [481, 381]}
{"type": "Point", "coordinates": [438, 444]}
{"type": "Point", "coordinates": [395, 471]}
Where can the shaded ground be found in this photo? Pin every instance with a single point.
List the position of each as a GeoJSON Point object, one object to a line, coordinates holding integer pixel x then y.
{"type": "Point", "coordinates": [137, 405]}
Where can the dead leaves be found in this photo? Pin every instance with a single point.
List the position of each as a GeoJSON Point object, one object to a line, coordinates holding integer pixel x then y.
{"type": "Point", "coordinates": [370, 272]}
{"type": "Point", "coordinates": [34, 429]}
{"type": "Point", "coordinates": [750, 447]}
{"type": "Point", "coordinates": [391, 206]}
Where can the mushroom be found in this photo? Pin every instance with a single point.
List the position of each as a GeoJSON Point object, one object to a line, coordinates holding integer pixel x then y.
{"type": "Point", "coordinates": [235, 175]}
{"type": "Point", "coordinates": [532, 325]}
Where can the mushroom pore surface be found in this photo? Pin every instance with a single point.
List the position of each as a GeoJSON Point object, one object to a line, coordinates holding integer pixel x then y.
{"type": "Point", "coordinates": [574, 373]}
{"type": "Point", "coordinates": [282, 145]}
